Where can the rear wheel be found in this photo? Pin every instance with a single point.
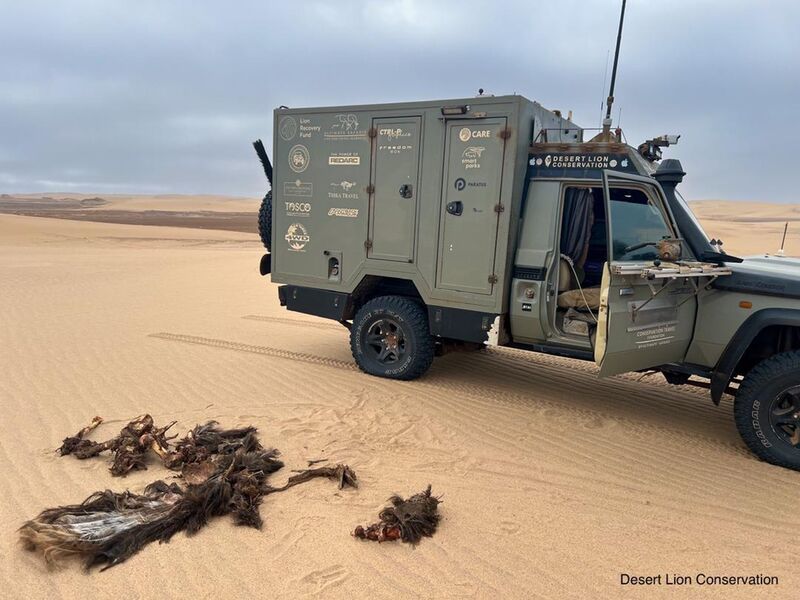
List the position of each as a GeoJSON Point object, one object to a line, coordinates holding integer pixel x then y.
{"type": "Point", "coordinates": [767, 410]}
{"type": "Point", "coordinates": [390, 338]}
{"type": "Point", "coordinates": [265, 221]}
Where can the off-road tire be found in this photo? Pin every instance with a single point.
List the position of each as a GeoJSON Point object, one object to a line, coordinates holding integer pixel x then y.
{"type": "Point", "coordinates": [265, 221]}
{"type": "Point", "coordinates": [753, 408]}
{"type": "Point", "coordinates": [410, 322]}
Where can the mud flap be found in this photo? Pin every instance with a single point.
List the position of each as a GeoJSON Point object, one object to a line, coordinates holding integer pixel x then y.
{"type": "Point", "coordinates": [265, 268]}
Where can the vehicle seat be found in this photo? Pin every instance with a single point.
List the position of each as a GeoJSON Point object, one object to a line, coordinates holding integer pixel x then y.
{"type": "Point", "coordinates": [574, 299]}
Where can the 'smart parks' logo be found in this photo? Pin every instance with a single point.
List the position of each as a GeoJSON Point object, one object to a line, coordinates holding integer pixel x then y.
{"type": "Point", "coordinates": [297, 237]}
{"type": "Point", "coordinates": [299, 158]}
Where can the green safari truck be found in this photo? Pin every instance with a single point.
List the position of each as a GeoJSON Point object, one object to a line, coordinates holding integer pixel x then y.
{"type": "Point", "coordinates": [427, 226]}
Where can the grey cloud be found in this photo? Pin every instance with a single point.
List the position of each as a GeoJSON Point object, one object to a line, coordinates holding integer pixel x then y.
{"type": "Point", "coordinates": [165, 97]}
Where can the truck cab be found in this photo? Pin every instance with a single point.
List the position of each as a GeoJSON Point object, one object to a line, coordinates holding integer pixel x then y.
{"type": "Point", "coordinates": [430, 226]}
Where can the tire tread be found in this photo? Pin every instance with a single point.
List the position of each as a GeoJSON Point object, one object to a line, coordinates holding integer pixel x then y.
{"type": "Point", "coordinates": [416, 318]}
{"type": "Point", "coordinates": [754, 382]}
{"type": "Point", "coordinates": [265, 221]}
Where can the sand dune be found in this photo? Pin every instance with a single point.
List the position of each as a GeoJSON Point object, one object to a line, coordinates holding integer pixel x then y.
{"type": "Point", "coordinates": [554, 482]}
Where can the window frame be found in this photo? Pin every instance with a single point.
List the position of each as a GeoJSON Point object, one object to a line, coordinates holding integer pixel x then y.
{"type": "Point", "coordinates": [653, 194]}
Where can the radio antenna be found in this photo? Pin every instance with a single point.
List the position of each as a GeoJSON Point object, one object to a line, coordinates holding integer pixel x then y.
{"type": "Point", "coordinates": [610, 99]}
{"type": "Point", "coordinates": [783, 241]}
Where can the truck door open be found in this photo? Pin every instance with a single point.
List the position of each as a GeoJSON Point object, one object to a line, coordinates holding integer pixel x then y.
{"type": "Point", "coordinates": [474, 157]}
{"type": "Point", "coordinates": [395, 186]}
{"type": "Point", "coordinates": [646, 315]}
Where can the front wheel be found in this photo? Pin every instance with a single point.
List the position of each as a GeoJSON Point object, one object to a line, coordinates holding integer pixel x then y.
{"type": "Point", "coordinates": [390, 338]}
{"type": "Point", "coordinates": [767, 410]}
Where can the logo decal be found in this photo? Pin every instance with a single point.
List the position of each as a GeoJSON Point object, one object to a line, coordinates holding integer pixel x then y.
{"type": "Point", "coordinates": [343, 212]}
{"type": "Point", "coordinates": [473, 151]}
{"type": "Point", "coordinates": [287, 128]}
{"type": "Point", "coordinates": [394, 134]}
{"type": "Point", "coordinates": [464, 134]}
{"type": "Point", "coordinates": [345, 127]}
{"type": "Point", "coordinates": [460, 184]}
{"type": "Point", "coordinates": [299, 158]}
{"type": "Point", "coordinates": [298, 188]}
{"type": "Point", "coordinates": [342, 191]}
{"type": "Point", "coordinates": [347, 123]}
{"type": "Point", "coordinates": [345, 185]}
{"type": "Point", "coordinates": [297, 236]}
{"type": "Point", "coordinates": [344, 159]}
{"type": "Point", "coordinates": [298, 209]}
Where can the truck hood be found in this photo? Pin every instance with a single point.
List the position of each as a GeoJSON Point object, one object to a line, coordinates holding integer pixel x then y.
{"type": "Point", "coordinates": [764, 274]}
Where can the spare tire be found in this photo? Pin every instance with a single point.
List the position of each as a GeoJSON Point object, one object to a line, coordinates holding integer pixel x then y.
{"type": "Point", "coordinates": [265, 221]}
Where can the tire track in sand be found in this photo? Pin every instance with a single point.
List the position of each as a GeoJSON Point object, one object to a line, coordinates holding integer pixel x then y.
{"type": "Point", "coordinates": [287, 321]}
{"type": "Point", "coordinates": [484, 394]}
{"type": "Point", "coordinates": [265, 350]}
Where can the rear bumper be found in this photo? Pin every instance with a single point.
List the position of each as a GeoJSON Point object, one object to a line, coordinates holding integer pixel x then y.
{"type": "Point", "coordinates": [312, 301]}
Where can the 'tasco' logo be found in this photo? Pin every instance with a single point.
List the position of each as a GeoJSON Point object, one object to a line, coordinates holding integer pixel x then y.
{"type": "Point", "coordinates": [460, 184]}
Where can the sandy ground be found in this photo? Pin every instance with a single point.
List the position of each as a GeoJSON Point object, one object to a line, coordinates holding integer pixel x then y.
{"type": "Point", "coordinates": [554, 482]}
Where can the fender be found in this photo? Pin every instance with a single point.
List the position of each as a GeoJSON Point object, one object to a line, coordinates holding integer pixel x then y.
{"type": "Point", "coordinates": [723, 372]}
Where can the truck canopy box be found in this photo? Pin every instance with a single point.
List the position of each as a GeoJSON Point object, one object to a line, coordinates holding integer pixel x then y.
{"type": "Point", "coordinates": [428, 192]}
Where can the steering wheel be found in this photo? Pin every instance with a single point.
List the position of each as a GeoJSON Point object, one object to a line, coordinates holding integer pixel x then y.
{"type": "Point", "coordinates": [638, 246]}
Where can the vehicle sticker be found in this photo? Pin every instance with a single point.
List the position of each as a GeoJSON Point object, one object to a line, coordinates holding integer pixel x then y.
{"type": "Point", "coordinates": [298, 188]}
{"type": "Point", "coordinates": [298, 209]}
{"type": "Point", "coordinates": [345, 127]}
{"type": "Point", "coordinates": [307, 128]}
{"type": "Point", "coordinates": [343, 212]}
{"type": "Point", "coordinates": [297, 237]}
{"type": "Point", "coordinates": [287, 128]}
{"type": "Point", "coordinates": [299, 158]}
{"type": "Point", "coordinates": [344, 159]}
{"type": "Point", "coordinates": [342, 191]}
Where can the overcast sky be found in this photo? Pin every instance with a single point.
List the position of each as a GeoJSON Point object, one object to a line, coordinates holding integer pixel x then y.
{"type": "Point", "coordinates": [165, 97]}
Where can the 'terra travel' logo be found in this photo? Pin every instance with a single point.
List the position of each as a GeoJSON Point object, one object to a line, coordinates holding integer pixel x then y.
{"type": "Point", "coordinates": [464, 134]}
{"type": "Point", "coordinates": [460, 184]}
{"type": "Point", "coordinates": [299, 158]}
{"type": "Point", "coordinates": [297, 236]}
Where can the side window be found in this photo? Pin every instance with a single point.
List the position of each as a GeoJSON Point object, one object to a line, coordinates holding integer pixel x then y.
{"type": "Point", "coordinates": [636, 220]}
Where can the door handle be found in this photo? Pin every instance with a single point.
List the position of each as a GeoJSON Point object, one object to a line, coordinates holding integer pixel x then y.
{"type": "Point", "coordinates": [406, 190]}
{"type": "Point", "coordinates": [455, 208]}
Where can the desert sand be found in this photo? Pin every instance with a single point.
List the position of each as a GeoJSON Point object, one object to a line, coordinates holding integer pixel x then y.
{"type": "Point", "coordinates": [553, 482]}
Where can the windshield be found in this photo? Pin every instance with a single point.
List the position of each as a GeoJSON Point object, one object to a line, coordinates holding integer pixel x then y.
{"type": "Point", "coordinates": [690, 214]}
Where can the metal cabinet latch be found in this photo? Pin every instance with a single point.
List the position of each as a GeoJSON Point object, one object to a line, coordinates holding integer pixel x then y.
{"type": "Point", "coordinates": [455, 208]}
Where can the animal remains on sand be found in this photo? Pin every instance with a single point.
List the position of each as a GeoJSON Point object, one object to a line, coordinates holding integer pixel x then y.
{"type": "Point", "coordinates": [224, 471]}
{"type": "Point", "coordinates": [406, 520]}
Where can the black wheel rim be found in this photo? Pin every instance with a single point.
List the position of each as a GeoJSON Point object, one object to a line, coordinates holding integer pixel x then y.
{"type": "Point", "coordinates": [784, 416]}
{"type": "Point", "coordinates": [385, 341]}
